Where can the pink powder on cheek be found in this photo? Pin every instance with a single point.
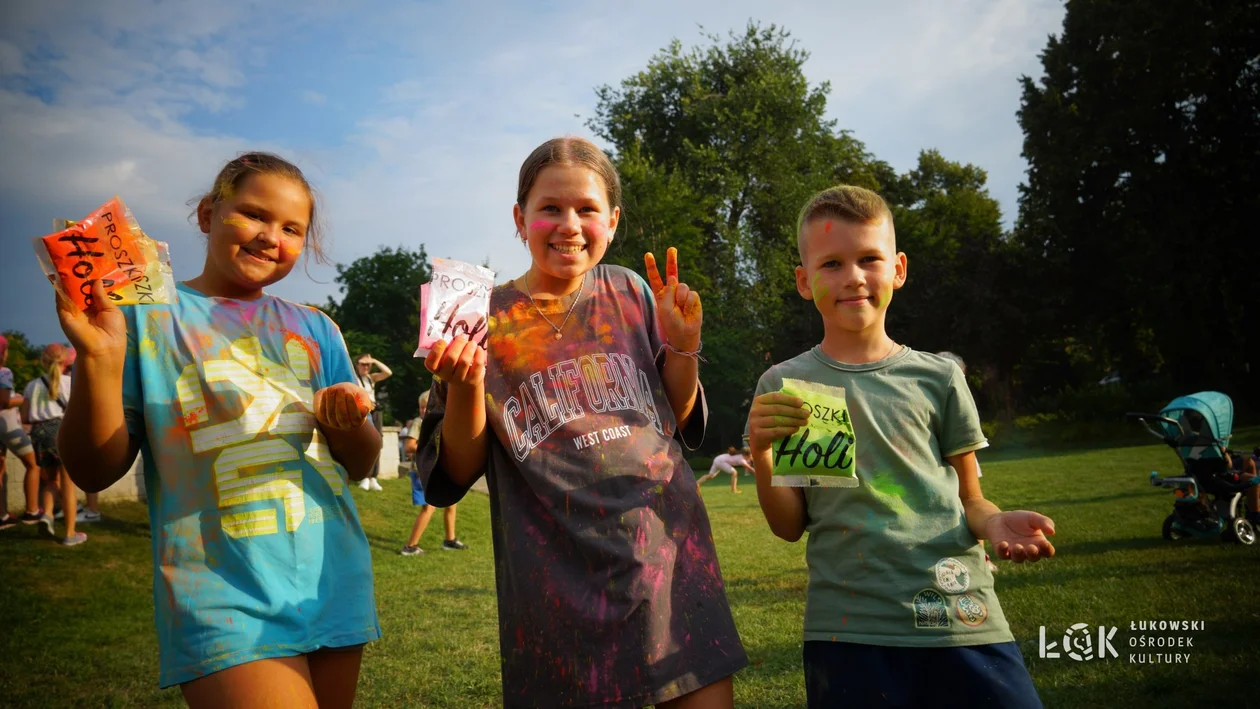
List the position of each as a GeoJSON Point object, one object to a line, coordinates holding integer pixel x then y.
{"type": "Point", "coordinates": [542, 225]}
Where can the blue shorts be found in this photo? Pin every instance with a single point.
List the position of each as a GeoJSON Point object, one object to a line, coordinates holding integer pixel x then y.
{"type": "Point", "coordinates": [417, 492]}
{"type": "Point", "coordinates": [839, 674]}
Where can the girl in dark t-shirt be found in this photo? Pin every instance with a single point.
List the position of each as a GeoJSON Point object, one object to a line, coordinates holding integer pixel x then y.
{"type": "Point", "coordinates": [608, 583]}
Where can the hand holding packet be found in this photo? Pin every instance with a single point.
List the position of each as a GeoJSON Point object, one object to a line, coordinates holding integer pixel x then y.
{"type": "Point", "coordinates": [455, 302]}
{"type": "Point", "coordinates": [822, 453]}
{"type": "Point", "coordinates": [108, 245]}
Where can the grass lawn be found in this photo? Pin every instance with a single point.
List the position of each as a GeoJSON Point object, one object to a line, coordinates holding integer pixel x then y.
{"type": "Point", "coordinates": [78, 623]}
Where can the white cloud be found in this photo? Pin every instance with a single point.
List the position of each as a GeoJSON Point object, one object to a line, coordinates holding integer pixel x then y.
{"type": "Point", "coordinates": [466, 92]}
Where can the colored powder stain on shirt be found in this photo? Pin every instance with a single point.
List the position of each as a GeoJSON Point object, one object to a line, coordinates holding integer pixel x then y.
{"type": "Point", "coordinates": [885, 485]}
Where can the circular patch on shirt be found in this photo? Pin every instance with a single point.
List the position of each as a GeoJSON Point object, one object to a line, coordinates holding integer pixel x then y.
{"type": "Point", "coordinates": [970, 610]}
{"type": "Point", "coordinates": [930, 610]}
{"type": "Point", "coordinates": [952, 575]}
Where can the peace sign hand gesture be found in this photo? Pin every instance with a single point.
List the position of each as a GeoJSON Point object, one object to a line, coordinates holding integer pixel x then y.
{"type": "Point", "coordinates": [677, 306]}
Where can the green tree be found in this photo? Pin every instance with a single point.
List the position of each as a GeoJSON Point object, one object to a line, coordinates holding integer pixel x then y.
{"type": "Point", "coordinates": [1143, 144]}
{"type": "Point", "coordinates": [23, 359]}
{"type": "Point", "coordinates": [718, 147]}
{"type": "Point", "coordinates": [379, 315]}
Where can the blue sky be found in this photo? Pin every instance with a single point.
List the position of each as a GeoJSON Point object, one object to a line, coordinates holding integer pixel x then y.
{"type": "Point", "coordinates": [412, 118]}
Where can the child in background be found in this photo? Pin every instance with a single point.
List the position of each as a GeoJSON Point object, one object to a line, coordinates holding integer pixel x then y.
{"type": "Point", "coordinates": [44, 405]}
{"type": "Point", "coordinates": [13, 438]}
{"type": "Point", "coordinates": [366, 378]}
{"type": "Point", "coordinates": [608, 583]}
{"type": "Point", "coordinates": [897, 581]}
{"type": "Point", "coordinates": [90, 509]}
{"type": "Point", "coordinates": [410, 437]}
{"type": "Point", "coordinates": [249, 421]}
{"type": "Point", "coordinates": [726, 463]}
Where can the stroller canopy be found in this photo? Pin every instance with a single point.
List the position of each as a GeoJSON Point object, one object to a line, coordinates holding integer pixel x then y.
{"type": "Point", "coordinates": [1206, 418]}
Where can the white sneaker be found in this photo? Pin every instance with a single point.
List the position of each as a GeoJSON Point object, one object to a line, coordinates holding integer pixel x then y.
{"type": "Point", "coordinates": [364, 484]}
{"type": "Point", "coordinates": [86, 515]}
{"type": "Point", "coordinates": [375, 485]}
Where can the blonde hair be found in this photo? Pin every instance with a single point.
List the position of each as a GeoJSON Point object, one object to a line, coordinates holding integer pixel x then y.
{"type": "Point", "coordinates": [573, 151]}
{"type": "Point", "coordinates": [52, 359]}
{"type": "Point", "coordinates": [850, 203]}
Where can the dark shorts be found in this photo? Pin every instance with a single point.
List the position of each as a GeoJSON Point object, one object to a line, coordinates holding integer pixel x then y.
{"type": "Point", "coordinates": [841, 674]}
{"type": "Point", "coordinates": [44, 438]}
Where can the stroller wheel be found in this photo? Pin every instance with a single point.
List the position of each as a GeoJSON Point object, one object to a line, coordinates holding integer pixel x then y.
{"type": "Point", "coordinates": [1171, 533]}
{"type": "Point", "coordinates": [1241, 531]}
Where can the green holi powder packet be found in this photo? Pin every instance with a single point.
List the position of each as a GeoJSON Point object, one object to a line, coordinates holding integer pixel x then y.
{"type": "Point", "coordinates": [821, 454]}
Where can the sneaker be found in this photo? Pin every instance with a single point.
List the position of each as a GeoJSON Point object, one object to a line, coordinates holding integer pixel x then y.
{"type": "Point", "coordinates": [365, 484]}
{"type": "Point", "coordinates": [76, 540]}
{"type": "Point", "coordinates": [47, 523]}
{"type": "Point", "coordinates": [453, 545]}
{"type": "Point", "coordinates": [411, 551]}
{"type": "Point", "coordinates": [7, 521]}
{"type": "Point", "coordinates": [87, 515]}
{"type": "Point", "coordinates": [376, 485]}
{"type": "Point", "coordinates": [32, 517]}
{"type": "Point", "coordinates": [61, 514]}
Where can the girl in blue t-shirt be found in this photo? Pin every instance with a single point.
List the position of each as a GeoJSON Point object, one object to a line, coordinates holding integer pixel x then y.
{"type": "Point", "coordinates": [242, 407]}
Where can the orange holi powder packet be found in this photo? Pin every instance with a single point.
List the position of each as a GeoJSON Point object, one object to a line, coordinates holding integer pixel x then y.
{"type": "Point", "coordinates": [73, 260]}
{"type": "Point", "coordinates": [110, 245]}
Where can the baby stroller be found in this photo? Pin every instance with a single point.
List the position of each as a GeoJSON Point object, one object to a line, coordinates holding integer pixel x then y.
{"type": "Point", "coordinates": [1208, 494]}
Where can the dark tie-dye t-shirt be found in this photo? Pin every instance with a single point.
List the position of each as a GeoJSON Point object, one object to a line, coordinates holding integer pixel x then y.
{"type": "Point", "coordinates": [608, 583]}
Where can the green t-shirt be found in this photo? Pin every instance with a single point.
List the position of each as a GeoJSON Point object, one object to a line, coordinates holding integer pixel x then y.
{"type": "Point", "coordinates": [892, 562]}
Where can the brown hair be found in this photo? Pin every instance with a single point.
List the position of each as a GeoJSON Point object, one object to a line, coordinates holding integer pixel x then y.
{"type": "Point", "coordinates": [850, 203]}
{"type": "Point", "coordinates": [568, 151]}
{"type": "Point", "coordinates": [731, 451]}
{"type": "Point", "coordinates": [235, 172]}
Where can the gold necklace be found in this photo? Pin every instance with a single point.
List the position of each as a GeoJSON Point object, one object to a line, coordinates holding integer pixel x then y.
{"type": "Point", "coordinates": [558, 334]}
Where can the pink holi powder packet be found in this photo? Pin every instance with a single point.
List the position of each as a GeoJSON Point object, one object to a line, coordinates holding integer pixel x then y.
{"type": "Point", "coordinates": [455, 302]}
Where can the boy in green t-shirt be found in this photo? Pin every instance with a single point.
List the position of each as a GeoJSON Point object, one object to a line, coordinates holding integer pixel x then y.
{"type": "Point", "coordinates": [897, 579]}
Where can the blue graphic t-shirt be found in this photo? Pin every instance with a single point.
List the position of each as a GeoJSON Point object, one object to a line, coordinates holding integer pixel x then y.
{"type": "Point", "coordinates": [257, 547]}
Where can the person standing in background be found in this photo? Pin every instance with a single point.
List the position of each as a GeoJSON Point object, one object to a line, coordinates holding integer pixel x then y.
{"type": "Point", "coordinates": [13, 437]}
{"type": "Point", "coordinates": [363, 367]}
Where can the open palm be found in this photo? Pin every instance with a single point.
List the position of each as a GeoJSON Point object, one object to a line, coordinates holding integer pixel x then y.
{"type": "Point", "coordinates": [1021, 535]}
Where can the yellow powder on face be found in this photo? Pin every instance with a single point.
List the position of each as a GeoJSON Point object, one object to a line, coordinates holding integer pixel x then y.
{"type": "Point", "coordinates": [819, 288]}
{"type": "Point", "coordinates": [236, 222]}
